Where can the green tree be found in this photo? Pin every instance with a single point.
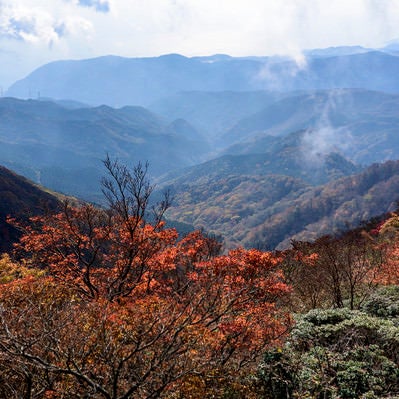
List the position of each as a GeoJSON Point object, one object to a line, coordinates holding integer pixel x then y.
{"type": "Point", "coordinates": [338, 353]}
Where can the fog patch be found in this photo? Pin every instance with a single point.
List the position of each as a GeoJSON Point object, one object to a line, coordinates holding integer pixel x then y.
{"type": "Point", "coordinates": [278, 71]}
{"type": "Point", "coordinates": [324, 138]}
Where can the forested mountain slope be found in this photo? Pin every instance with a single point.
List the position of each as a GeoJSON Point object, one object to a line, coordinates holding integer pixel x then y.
{"type": "Point", "coordinates": [62, 148]}
{"type": "Point", "coordinates": [360, 124]}
{"type": "Point", "coordinates": [267, 211]}
{"type": "Point", "coordinates": [20, 198]}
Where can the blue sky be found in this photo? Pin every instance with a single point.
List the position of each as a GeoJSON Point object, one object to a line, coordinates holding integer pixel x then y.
{"type": "Point", "coordinates": [34, 32]}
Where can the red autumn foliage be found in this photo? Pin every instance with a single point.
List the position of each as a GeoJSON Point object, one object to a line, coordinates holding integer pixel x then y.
{"type": "Point", "coordinates": [388, 236]}
{"type": "Point", "coordinates": [126, 310]}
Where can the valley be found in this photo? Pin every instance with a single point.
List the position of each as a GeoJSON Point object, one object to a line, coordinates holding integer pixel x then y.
{"type": "Point", "coordinates": [256, 161]}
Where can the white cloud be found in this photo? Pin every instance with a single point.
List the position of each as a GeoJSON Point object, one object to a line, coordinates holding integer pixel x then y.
{"type": "Point", "coordinates": [85, 28]}
{"type": "Point", "coordinates": [38, 25]}
{"type": "Point", "coordinates": [30, 25]}
{"type": "Point", "coordinates": [248, 27]}
{"type": "Point", "coordinates": [78, 26]}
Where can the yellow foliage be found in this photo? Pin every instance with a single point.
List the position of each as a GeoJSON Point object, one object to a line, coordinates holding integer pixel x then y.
{"type": "Point", "coordinates": [10, 270]}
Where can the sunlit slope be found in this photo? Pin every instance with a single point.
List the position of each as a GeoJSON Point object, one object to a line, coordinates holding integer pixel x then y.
{"type": "Point", "coordinates": [267, 210]}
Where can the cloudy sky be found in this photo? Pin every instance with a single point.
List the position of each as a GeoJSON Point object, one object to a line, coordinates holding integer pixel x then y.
{"type": "Point", "coordinates": [33, 32]}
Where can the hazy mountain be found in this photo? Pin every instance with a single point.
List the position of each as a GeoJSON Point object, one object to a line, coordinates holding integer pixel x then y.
{"type": "Point", "coordinates": [392, 47]}
{"type": "Point", "coordinates": [286, 160]}
{"type": "Point", "coordinates": [362, 125]}
{"type": "Point", "coordinates": [334, 117]}
{"type": "Point", "coordinates": [214, 112]}
{"type": "Point", "coordinates": [121, 81]}
{"type": "Point", "coordinates": [19, 198]}
{"type": "Point", "coordinates": [62, 148]}
{"type": "Point", "coordinates": [336, 51]}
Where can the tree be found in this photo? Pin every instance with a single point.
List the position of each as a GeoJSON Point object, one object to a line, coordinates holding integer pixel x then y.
{"type": "Point", "coordinates": [80, 244]}
{"type": "Point", "coordinates": [334, 270]}
{"type": "Point", "coordinates": [128, 310]}
{"type": "Point", "coordinates": [335, 353]}
{"type": "Point", "coordinates": [388, 237]}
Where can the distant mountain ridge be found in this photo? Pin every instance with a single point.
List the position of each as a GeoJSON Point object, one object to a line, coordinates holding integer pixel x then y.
{"type": "Point", "coordinates": [119, 81]}
{"type": "Point", "coordinates": [213, 113]}
{"type": "Point", "coordinates": [62, 148]}
{"type": "Point", "coordinates": [362, 125]}
{"type": "Point", "coordinates": [285, 160]}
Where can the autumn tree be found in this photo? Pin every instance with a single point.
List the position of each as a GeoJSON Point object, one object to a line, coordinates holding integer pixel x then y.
{"type": "Point", "coordinates": [387, 233]}
{"type": "Point", "coordinates": [333, 271]}
{"type": "Point", "coordinates": [126, 309]}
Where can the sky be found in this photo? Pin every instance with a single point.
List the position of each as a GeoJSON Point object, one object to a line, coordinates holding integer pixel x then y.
{"type": "Point", "coordinates": [35, 32]}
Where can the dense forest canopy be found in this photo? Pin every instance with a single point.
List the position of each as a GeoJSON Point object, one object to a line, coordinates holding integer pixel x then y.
{"type": "Point", "coordinates": [109, 303]}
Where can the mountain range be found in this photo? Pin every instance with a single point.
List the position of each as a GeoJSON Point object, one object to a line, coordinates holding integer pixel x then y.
{"type": "Point", "coordinates": [259, 150]}
{"type": "Point", "coordinates": [62, 148]}
{"type": "Point", "coordinates": [361, 124]}
{"type": "Point", "coordinates": [118, 81]}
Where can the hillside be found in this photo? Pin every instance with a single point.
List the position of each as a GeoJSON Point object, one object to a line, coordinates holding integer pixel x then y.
{"type": "Point", "coordinates": [361, 124]}
{"type": "Point", "coordinates": [62, 148]}
{"type": "Point", "coordinates": [213, 113]}
{"type": "Point", "coordinates": [267, 211]}
{"type": "Point", "coordinates": [19, 198]}
{"type": "Point", "coordinates": [282, 159]}
{"type": "Point", "coordinates": [119, 81]}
